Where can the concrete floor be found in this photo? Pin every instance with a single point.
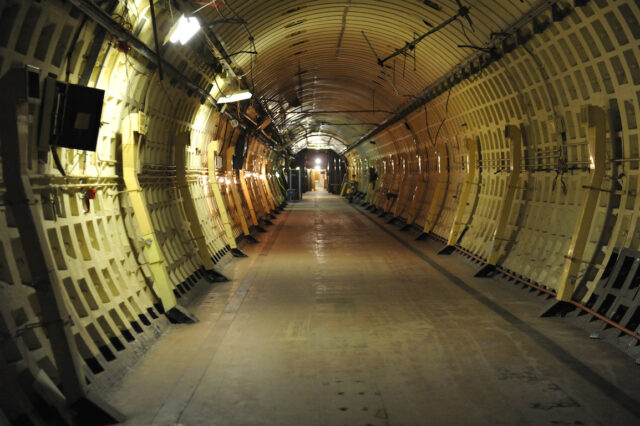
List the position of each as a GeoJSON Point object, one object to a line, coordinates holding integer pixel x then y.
{"type": "Point", "coordinates": [334, 321]}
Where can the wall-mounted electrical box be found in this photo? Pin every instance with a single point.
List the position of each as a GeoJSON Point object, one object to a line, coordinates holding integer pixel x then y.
{"type": "Point", "coordinates": [70, 116]}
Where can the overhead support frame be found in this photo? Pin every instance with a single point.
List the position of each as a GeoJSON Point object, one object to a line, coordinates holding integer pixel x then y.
{"type": "Point", "coordinates": [482, 58]}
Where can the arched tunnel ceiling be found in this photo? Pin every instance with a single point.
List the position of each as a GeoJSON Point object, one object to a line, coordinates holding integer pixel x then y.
{"type": "Point", "coordinates": [315, 72]}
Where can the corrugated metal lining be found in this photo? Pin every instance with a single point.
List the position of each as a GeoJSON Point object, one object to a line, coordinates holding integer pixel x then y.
{"type": "Point", "coordinates": [312, 54]}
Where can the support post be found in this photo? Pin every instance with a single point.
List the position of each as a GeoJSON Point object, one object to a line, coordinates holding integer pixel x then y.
{"type": "Point", "coordinates": [247, 197]}
{"type": "Point", "coordinates": [181, 141]}
{"type": "Point", "coordinates": [268, 193]}
{"type": "Point", "coordinates": [344, 188]}
{"type": "Point", "coordinates": [273, 184]}
{"type": "Point", "coordinates": [456, 228]}
{"type": "Point", "coordinates": [243, 219]}
{"type": "Point", "coordinates": [369, 195]}
{"type": "Point", "coordinates": [403, 188]}
{"type": "Point", "coordinates": [416, 202]}
{"type": "Point", "coordinates": [134, 127]}
{"type": "Point", "coordinates": [212, 149]}
{"type": "Point", "coordinates": [595, 118]}
{"type": "Point", "coordinates": [441, 189]}
{"type": "Point", "coordinates": [501, 234]}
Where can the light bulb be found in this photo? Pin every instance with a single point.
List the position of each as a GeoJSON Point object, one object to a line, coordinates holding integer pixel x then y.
{"type": "Point", "coordinates": [185, 30]}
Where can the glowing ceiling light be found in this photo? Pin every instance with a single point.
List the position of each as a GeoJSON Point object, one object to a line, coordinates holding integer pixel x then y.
{"type": "Point", "coordinates": [235, 97]}
{"type": "Point", "coordinates": [318, 161]}
{"type": "Point", "coordinates": [184, 30]}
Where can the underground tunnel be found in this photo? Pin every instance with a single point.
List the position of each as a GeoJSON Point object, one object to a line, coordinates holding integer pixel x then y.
{"type": "Point", "coordinates": [355, 212]}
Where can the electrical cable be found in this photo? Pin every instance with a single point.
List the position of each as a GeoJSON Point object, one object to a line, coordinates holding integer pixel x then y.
{"type": "Point", "coordinates": [446, 112]}
{"type": "Point", "coordinates": [74, 43]}
{"type": "Point", "coordinates": [251, 42]}
{"type": "Point", "coordinates": [426, 122]}
{"type": "Point", "coordinates": [72, 48]}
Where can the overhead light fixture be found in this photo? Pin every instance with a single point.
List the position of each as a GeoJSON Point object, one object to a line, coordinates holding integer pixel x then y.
{"type": "Point", "coordinates": [318, 160]}
{"type": "Point", "coordinates": [183, 30]}
{"type": "Point", "coordinates": [235, 97]}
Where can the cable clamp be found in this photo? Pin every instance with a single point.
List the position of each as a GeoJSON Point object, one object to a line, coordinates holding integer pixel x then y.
{"type": "Point", "coordinates": [573, 259]}
{"type": "Point", "coordinates": [22, 330]}
{"type": "Point", "coordinates": [129, 190]}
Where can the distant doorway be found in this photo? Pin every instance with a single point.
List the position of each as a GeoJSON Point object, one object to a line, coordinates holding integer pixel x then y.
{"type": "Point", "coordinates": [318, 180]}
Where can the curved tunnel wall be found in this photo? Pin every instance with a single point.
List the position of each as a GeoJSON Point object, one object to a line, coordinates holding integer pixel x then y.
{"type": "Point", "coordinates": [590, 57]}
{"type": "Point", "coordinates": [101, 259]}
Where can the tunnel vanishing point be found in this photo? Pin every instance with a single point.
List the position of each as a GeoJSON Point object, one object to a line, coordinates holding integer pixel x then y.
{"type": "Point", "coordinates": [362, 212]}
